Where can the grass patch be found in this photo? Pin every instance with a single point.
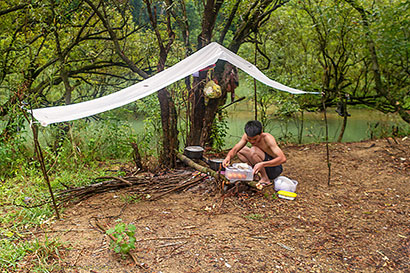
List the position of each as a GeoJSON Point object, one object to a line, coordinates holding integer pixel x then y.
{"type": "Point", "coordinates": [131, 198]}
{"type": "Point", "coordinates": [24, 207]}
{"type": "Point", "coordinates": [30, 256]}
{"type": "Point", "coordinates": [255, 216]}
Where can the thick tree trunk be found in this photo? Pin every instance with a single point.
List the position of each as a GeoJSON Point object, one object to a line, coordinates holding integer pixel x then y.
{"type": "Point", "coordinates": [169, 117]}
{"type": "Point", "coordinates": [202, 117]}
{"type": "Point", "coordinates": [197, 105]}
{"type": "Point", "coordinates": [198, 118]}
{"type": "Point", "coordinates": [223, 72]}
{"type": "Point", "coordinates": [169, 128]}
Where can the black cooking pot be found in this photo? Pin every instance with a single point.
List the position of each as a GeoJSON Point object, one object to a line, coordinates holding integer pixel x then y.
{"type": "Point", "coordinates": [216, 164]}
{"type": "Point", "coordinates": [194, 152]}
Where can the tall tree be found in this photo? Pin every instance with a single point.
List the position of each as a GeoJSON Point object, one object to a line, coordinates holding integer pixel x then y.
{"type": "Point", "coordinates": [168, 112]}
{"type": "Point", "coordinates": [397, 102]}
{"type": "Point", "coordinates": [253, 14]}
{"type": "Point", "coordinates": [333, 35]}
{"type": "Point", "coordinates": [60, 50]}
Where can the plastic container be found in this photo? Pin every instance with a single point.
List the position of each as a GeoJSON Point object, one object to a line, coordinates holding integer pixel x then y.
{"type": "Point", "coordinates": [287, 195]}
{"type": "Point", "coordinates": [238, 172]}
{"type": "Point", "coordinates": [282, 183]}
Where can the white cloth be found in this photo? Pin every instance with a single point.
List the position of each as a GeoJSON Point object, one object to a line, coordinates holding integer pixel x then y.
{"type": "Point", "coordinates": [202, 58]}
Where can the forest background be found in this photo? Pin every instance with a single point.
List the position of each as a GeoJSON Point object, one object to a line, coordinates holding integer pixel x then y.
{"type": "Point", "coordinates": [355, 53]}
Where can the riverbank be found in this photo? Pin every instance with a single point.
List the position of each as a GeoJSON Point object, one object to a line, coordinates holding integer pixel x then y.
{"type": "Point", "coordinates": [358, 223]}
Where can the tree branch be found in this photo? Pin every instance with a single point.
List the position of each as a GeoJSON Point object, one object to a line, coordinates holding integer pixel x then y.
{"type": "Point", "coordinates": [114, 38]}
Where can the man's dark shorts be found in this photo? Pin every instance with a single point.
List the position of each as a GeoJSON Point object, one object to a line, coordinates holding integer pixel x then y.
{"type": "Point", "coordinates": [272, 172]}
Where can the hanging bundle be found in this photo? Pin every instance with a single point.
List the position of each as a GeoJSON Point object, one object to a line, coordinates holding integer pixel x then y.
{"type": "Point", "coordinates": [212, 90]}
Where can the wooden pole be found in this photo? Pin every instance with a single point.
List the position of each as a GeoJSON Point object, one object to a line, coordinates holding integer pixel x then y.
{"type": "Point", "coordinates": [196, 166]}
{"type": "Point", "coordinates": [327, 139]}
{"type": "Point", "coordinates": [43, 166]}
{"type": "Point", "coordinates": [254, 80]}
{"type": "Point", "coordinates": [40, 158]}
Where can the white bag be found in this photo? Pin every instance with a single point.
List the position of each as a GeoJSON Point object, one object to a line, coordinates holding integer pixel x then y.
{"type": "Point", "coordinates": [282, 183]}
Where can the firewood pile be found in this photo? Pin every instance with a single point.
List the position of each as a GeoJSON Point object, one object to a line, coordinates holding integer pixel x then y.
{"type": "Point", "coordinates": [150, 186]}
{"type": "Point", "coordinates": [144, 184]}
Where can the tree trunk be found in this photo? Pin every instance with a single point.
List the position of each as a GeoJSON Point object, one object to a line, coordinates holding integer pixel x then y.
{"type": "Point", "coordinates": [169, 128]}
{"type": "Point", "coordinates": [343, 129]}
{"type": "Point", "coordinates": [202, 117]}
{"type": "Point", "coordinates": [344, 124]}
{"type": "Point", "coordinates": [169, 117]}
{"type": "Point", "coordinates": [223, 73]}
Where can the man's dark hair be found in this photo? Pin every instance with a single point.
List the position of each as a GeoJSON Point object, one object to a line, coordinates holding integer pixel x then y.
{"type": "Point", "coordinates": [253, 128]}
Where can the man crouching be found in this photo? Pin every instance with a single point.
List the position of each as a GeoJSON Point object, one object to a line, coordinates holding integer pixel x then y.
{"type": "Point", "coordinates": [264, 156]}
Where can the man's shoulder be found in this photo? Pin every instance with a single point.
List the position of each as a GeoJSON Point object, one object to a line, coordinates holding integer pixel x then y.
{"type": "Point", "coordinates": [267, 135]}
{"type": "Point", "coordinates": [268, 138]}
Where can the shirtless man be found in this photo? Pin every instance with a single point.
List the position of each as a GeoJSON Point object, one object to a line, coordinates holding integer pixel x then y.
{"type": "Point", "coordinates": [265, 155]}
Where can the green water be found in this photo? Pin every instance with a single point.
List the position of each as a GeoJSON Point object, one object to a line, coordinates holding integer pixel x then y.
{"type": "Point", "coordinates": [361, 125]}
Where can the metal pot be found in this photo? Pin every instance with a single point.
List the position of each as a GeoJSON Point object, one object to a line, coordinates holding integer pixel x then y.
{"type": "Point", "coordinates": [194, 152]}
{"type": "Point", "coordinates": [216, 164]}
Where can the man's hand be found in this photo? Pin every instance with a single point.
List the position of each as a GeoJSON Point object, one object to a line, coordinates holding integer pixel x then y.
{"type": "Point", "coordinates": [257, 168]}
{"type": "Point", "coordinates": [226, 162]}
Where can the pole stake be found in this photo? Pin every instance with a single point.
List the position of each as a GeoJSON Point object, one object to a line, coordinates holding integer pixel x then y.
{"type": "Point", "coordinates": [327, 139]}
{"type": "Point", "coordinates": [40, 157]}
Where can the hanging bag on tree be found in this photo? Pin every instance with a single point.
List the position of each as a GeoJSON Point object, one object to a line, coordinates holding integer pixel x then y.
{"type": "Point", "coordinates": [212, 90]}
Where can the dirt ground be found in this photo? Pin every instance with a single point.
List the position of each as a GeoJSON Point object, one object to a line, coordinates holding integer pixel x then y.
{"type": "Point", "coordinates": [360, 223]}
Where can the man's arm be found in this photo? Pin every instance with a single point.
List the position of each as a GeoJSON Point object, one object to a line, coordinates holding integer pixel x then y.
{"type": "Point", "coordinates": [238, 146]}
{"type": "Point", "coordinates": [280, 157]}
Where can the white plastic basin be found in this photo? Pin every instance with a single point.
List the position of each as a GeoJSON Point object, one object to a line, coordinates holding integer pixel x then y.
{"type": "Point", "coordinates": [282, 183]}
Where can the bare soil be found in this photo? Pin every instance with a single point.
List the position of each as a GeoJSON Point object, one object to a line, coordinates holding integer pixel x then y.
{"type": "Point", "coordinates": [358, 223]}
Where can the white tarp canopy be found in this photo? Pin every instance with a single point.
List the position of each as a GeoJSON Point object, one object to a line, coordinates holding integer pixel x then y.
{"type": "Point", "coordinates": [201, 59]}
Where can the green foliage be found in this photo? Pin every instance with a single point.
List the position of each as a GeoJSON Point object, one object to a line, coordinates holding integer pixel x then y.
{"type": "Point", "coordinates": [124, 237]}
{"type": "Point", "coordinates": [17, 255]}
{"type": "Point", "coordinates": [271, 196]}
{"type": "Point", "coordinates": [377, 130]}
{"type": "Point", "coordinates": [219, 131]}
{"type": "Point", "coordinates": [255, 216]}
{"type": "Point", "coordinates": [130, 198]}
{"type": "Point", "coordinates": [89, 142]}
{"type": "Point", "coordinates": [109, 138]}
{"type": "Point", "coordinates": [391, 24]}
{"type": "Point", "coordinates": [14, 157]}
{"type": "Point", "coordinates": [149, 140]}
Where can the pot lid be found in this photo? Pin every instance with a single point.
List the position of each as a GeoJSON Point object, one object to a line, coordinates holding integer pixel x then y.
{"type": "Point", "coordinates": [194, 148]}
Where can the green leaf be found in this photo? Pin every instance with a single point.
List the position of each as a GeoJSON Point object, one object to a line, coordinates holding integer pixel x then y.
{"type": "Point", "coordinates": [120, 228]}
{"type": "Point", "coordinates": [119, 238]}
{"type": "Point", "coordinates": [110, 231]}
{"type": "Point", "coordinates": [125, 249]}
{"type": "Point", "coordinates": [117, 249]}
{"type": "Point", "coordinates": [132, 241]}
{"type": "Point", "coordinates": [131, 227]}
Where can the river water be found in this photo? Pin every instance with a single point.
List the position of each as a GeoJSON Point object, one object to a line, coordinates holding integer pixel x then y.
{"type": "Point", "coordinates": [363, 124]}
